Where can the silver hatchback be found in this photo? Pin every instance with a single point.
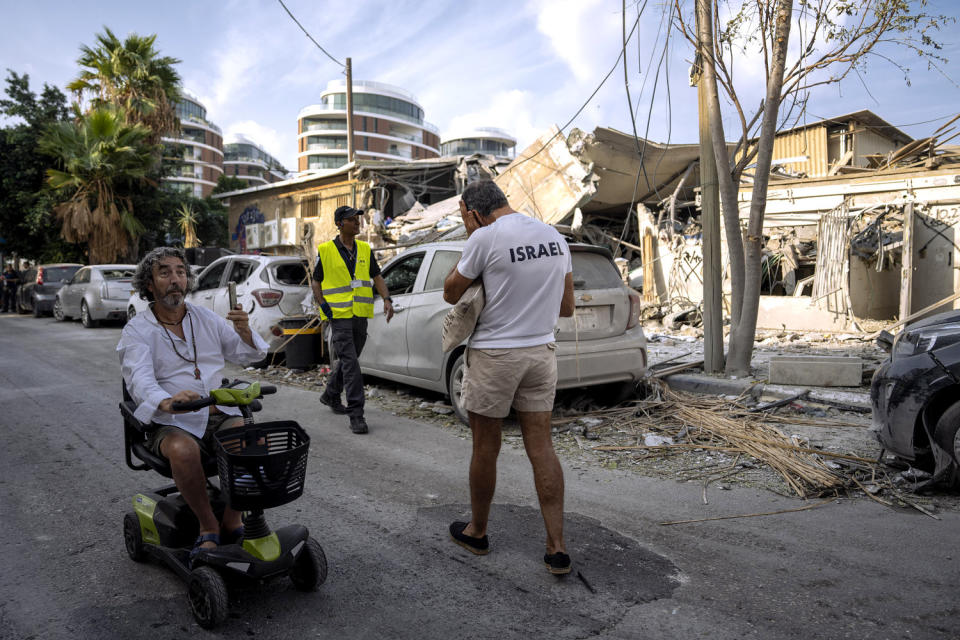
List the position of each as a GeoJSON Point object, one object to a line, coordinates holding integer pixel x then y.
{"type": "Point", "coordinates": [95, 293]}
{"type": "Point", "coordinates": [602, 343]}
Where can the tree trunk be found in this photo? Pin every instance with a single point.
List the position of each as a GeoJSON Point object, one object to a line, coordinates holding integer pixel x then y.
{"type": "Point", "coordinates": [728, 189]}
{"type": "Point", "coordinates": [742, 336]}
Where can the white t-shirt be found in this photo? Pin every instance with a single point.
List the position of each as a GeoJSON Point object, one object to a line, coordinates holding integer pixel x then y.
{"type": "Point", "coordinates": [523, 263]}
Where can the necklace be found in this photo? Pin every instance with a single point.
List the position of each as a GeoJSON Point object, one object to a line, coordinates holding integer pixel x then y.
{"type": "Point", "coordinates": [196, 368]}
{"type": "Point", "coordinates": [169, 324]}
{"type": "Point", "coordinates": [351, 253]}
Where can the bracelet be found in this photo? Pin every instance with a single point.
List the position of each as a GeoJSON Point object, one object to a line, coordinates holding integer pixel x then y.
{"type": "Point", "coordinates": [388, 299]}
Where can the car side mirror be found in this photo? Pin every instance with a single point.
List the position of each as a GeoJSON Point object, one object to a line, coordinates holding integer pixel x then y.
{"type": "Point", "coordinates": [885, 341]}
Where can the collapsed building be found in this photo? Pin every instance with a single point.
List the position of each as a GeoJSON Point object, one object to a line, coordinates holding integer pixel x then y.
{"type": "Point", "coordinates": [860, 226]}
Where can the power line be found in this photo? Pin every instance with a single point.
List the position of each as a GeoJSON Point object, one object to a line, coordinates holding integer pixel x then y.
{"type": "Point", "coordinates": [580, 110]}
{"type": "Point", "coordinates": [308, 34]}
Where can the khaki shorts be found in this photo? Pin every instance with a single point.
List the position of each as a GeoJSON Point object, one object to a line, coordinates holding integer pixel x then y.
{"type": "Point", "coordinates": [214, 423]}
{"type": "Point", "coordinates": [524, 378]}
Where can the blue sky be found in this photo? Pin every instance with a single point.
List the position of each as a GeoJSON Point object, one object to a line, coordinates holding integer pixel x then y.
{"type": "Point", "coordinates": [521, 66]}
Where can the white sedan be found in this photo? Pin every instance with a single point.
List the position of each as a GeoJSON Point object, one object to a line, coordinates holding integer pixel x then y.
{"type": "Point", "coordinates": [269, 288]}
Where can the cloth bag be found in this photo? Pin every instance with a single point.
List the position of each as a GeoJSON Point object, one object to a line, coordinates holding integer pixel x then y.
{"type": "Point", "coordinates": [461, 320]}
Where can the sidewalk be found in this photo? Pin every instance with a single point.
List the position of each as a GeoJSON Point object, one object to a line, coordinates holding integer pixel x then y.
{"type": "Point", "coordinates": [686, 345]}
{"type": "Point", "coordinates": [856, 399]}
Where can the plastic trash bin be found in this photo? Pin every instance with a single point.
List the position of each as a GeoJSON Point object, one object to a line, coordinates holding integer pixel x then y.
{"type": "Point", "coordinates": [305, 345]}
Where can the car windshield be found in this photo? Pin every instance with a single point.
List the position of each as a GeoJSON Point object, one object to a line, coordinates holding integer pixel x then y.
{"type": "Point", "coordinates": [116, 274]}
{"type": "Point", "coordinates": [291, 273]}
{"type": "Point", "coordinates": [594, 271]}
{"type": "Point", "coordinates": [57, 274]}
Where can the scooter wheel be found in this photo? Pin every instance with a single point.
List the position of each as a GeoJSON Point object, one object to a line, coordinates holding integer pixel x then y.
{"type": "Point", "coordinates": [310, 568]}
{"type": "Point", "coordinates": [208, 597]}
{"type": "Point", "coordinates": [132, 538]}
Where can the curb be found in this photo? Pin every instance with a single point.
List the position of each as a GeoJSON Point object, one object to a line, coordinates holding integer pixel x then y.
{"type": "Point", "coordinates": [709, 385]}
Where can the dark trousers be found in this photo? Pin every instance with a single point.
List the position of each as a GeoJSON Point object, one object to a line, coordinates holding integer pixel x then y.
{"type": "Point", "coordinates": [9, 299]}
{"type": "Point", "coordinates": [348, 336]}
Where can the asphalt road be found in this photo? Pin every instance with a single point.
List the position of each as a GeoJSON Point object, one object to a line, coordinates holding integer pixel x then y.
{"type": "Point", "coordinates": [380, 505]}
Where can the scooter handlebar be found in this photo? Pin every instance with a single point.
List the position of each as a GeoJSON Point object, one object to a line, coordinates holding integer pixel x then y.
{"type": "Point", "coordinates": [193, 405]}
{"type": "Point", "coordinates": [200, 403]}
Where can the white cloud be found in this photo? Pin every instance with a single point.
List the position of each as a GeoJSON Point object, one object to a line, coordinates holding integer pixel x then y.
{"type": "Point", "coordinates": [512, 110]}
{"type": "Point", "coordinates": [580, 33]}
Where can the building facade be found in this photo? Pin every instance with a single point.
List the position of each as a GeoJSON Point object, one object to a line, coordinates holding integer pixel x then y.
{"type": "Point", "coordinates": [388, 124]}
{"type": "Point", "coordinates": [847, 144]}
{"type": "Point", "coordinates": [197, 154]}
{"type": "Point", "coordinates": [487, 140]}
{"type": "Point", "coordinates": [245, 159]}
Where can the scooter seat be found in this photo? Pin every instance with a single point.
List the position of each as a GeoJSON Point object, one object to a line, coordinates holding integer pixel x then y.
{"type": "Point", "coordinates": [136, 435]}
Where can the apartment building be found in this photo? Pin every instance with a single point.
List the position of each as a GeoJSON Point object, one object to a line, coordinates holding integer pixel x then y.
{"type": "Point", "coordinates": [388, 124]}
{"type": "Point", "coordinates": [487, 140]}
{"type": "Point", "coordinates": [245, 159]}
{"type": "Point", "coordinates": [198, 162]}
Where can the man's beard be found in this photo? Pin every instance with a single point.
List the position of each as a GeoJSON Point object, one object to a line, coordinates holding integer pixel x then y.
{"type": "Point", "coordinates": [173, 298]}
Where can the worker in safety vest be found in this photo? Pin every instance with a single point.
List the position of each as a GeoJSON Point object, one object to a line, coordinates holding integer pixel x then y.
{"type": "Point", "coordinates": [343, 283]}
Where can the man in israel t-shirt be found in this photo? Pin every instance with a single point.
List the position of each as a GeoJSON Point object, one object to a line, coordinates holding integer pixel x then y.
{"type": "Point", "coordinates": [511, 361]}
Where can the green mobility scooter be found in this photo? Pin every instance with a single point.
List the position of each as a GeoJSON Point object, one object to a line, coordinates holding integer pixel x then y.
{"type": "Point", "coordinates": [260, 466]}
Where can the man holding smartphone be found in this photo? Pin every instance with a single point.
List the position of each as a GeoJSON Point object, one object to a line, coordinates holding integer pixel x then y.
{"type": "Point", "coordinates": [343, 280]}
{"type": "Point", "coordinates": [511, 359]}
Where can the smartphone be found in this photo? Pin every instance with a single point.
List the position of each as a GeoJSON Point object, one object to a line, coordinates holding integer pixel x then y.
{"type": "Point", "coordinates": [232, 289]}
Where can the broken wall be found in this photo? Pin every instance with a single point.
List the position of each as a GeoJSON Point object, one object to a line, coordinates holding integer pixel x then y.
{"type": "Point", "coordinates": [936, 256]}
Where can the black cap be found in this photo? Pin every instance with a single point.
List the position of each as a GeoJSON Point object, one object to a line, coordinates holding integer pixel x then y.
{"type": "Point", "coordinates": [345, 212]}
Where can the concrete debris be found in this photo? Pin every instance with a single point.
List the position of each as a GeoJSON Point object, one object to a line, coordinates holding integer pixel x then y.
{"type": "Point", "coordinates": [653, 440]}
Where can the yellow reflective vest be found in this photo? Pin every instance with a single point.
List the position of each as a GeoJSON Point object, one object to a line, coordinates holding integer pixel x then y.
{"type": "Point", "coordinates": [348, 297]}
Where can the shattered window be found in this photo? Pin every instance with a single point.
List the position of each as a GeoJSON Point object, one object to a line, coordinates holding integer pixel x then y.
{"type": "Point", "coordinates": [401, 276]}
{"type": "Point", "coordinates": [291, 273]}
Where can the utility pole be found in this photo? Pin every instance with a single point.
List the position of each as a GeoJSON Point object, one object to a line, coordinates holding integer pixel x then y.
{"type": "Point", "coordinates": [709, 206]}
{"type": "Point", "coordinates": [349, 110]}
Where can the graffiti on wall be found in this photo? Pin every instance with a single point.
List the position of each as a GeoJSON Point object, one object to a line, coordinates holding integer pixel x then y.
{"type": "Point", "coordinates": [250, 215]}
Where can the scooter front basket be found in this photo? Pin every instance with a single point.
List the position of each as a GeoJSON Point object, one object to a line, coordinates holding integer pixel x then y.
{"type": "Point", "coordinates": [262, 465]}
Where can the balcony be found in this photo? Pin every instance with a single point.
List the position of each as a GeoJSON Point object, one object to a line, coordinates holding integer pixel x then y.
{"type": "Point", "coordinates": [335, 125]}
{"type": "Point", "coordinates": [326, 146]}
{"type": "Point", "coordinates": [407, 136]}
{"type": "Point", "coordinates": [200, 121]}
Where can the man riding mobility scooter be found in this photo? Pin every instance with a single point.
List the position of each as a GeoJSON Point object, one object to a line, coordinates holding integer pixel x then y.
{"type": "Point", "coordinates": [260, 466]}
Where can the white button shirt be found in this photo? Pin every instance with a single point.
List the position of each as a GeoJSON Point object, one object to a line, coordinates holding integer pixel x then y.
{"type": "Point", "coordinates": [154, 372]}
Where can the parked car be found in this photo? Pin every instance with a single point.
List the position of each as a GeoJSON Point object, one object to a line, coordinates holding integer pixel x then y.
{"type": "Point", "coordinates": [603, 343]}
{"type": "Point", "coordinates": [39, 286]}
{"type": "Point", "coordinates": [268, 287]}
{"type": "Point", "coordinates": [95, 293]}
{"type": "Point", "coordinates": [916, 396]}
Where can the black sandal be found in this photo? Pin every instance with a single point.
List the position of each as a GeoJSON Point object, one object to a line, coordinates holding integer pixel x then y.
{"type": "Point", "coordinates": [206, 537]}
{"type": "Point", "coordinates": [479, 546]}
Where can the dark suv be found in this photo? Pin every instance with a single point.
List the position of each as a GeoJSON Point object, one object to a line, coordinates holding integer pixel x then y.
{"type": "Point", "coordinates": [39, 286]}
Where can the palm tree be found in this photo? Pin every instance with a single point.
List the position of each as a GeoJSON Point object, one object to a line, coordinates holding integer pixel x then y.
{"type": "Point", "coordinates": [132, 75]}
{"type": "Point", "coordinates": [187, 221]}
{"type": "Point", "coordinates": [102, 157]}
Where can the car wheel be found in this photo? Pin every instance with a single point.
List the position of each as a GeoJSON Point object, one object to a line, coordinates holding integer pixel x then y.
{"type": "Point", "coordinates": [209, 601]}
{"type": "Point", "coordinates": [36, 308]}
{"type": "Point", "coordinates": [455, 388]}
{"type": "Point", "coordinates": [57, 311]}
{"type": "Point", "coordinates": [947, 435]}
{"type": "Point", "coordinates": [310, 568]}
{"type": "Point", "coordinates": [85, 319]}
